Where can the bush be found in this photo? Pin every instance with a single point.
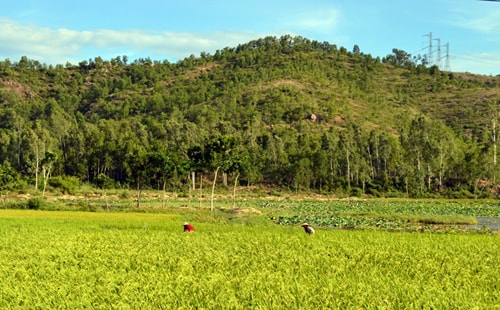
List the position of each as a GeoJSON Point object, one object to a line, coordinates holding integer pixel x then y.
{"type": "Point", "coordinates": [357, 192]}
{"type": "Point", "coordinates": [104, 182]}
{"type": "Point", "coordinates": [66, 184]}
{"type": "Point", "coordinates": [36, 203]}
{"type": "Point", "coordinates": [8, 177]}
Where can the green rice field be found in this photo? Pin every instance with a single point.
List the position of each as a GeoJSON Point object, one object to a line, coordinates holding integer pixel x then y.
{"type": "Point", "coordinates": [127, 260]}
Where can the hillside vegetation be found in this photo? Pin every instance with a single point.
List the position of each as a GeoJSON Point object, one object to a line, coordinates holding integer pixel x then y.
{"type": "Point", "coordinates": [287, 113]}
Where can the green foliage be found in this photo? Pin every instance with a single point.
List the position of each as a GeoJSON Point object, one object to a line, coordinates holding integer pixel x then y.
{"type": "Point", "coordinates": [284, 111]}
{"type": "Point", "coordinates": [36, 203]}
{"type": "Point", "coordinates": [66, 184]}
{"type": "Point", "coordinates": [9, 177]}
{"type": "Point", "coordinates": [104, 182]}
{"type": "Point", "coordinates": [394, 215]}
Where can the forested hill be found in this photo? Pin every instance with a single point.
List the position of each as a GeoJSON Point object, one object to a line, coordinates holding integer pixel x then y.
{"type": "Point", "coordinates": [283, 112]}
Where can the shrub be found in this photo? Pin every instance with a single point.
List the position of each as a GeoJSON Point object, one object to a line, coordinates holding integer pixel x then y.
{"type": "Point", "coordinates": [66, 184]}
{"type": "Point", "coordinates": [357, 192]}
{"type": "Point", "coordinates": [36, 203]}
{"type": "Point", "coordinates": [104, 182]}
{"type": "Point", "coordinates": [8, 177]}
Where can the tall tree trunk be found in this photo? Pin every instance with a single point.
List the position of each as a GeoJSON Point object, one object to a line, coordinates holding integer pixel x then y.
{"type": "Point", "coordinates": [441, 168]}
{"type": "Point", "coordinates": [494, 138]}
{"type": "Point", "coordinates": [201, 189]}
{"type": "Point", "coordinates": [37, 167]}
{"type": "Point", "coordinates": [348, 172]}
{"type": "Point", "coordinates": [332, 172]}
{"type": "Point", "coordinates": [106, 200]}
{"type": "Point", "coordinates": [234, 189]}
{"type": "Point", "coordinates": [224, 178]}
{"type": "Point", "coordinates": [373, 170]}
{"type": "Point", "coordinates": [139, 192]}
{"type": "Point", "coordinates": [429, 177]}
{"type": "Point", "coordinates": [213, 189]}
{"type": "Point", "coordinates": [421, 181]}
{"type": "Point", "coordinates": [46, 174]}
{"type": "Point", "coordinates": [163, 203]}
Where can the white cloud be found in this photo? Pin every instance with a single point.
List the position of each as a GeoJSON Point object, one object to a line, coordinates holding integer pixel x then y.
{"type": "Point", "coordinates": [486, 63]}
{"type": "Point", "coordinates": [480, 18]}
{"type": "Point", "coordinates": [57, 46]}
{"type": "Point", "coordinates": [486, 24]}
{"type": "Point", "coordinates": [318, 21]}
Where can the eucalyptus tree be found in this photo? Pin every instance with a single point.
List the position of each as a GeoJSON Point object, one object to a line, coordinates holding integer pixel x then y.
{"type": "Point", "coordinates": [362, 165]}
{"type": "Point", "coordinates": [414, 143]}
{"type": "Point", "coordinates": [353, 159]}
{"type": "Point", "coordinates": [346, 146]}
{"type": "Point", "coordinates": [446, 154]}
{"type": "Point", "coordinates": [59, 123]}
{"type": "Point", "coordinates": [329, 146]}
{"type": "Point", "coordinates": [390, 153]}
{"type": "Point", "coordinates": [431, 148]}
{"type": "Point", "coordinates": [252, 149]}
{"type": "Point", "coordinates": [14, 126]}
{"type": "Point", "coordinates": [239, 164]}
{"type": "Point", "coordinates": [302, 173]}
{"type": "Point", "coordinates": [159, 168]}
{"type": "Point", "coordinates": [5, 145]}
{"type": "Point", "coordinates": [136, 165]}
{"type": "Point", "coordinates": [47, 164]}
{"type": "Point", "coordinates": [220, 153]}
{"type": "Point", "coordinates": [36, 142]}
{"type": "Point", "coordinates": [493, 130]}
{"type": "Point", "coordinates": [384, 150]}
{"type": "Point", "coordinates": [8, 179]}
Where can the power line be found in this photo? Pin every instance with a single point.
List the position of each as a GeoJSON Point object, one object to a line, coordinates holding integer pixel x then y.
{"type": "Point", "coordinates": [438, 60]}
{"type": "Point", "coordinates": [447, 67]}
{"type": "Point", "coordinates": [429, 54]}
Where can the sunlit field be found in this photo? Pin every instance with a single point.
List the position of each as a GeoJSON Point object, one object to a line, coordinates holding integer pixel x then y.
{"type": "Point", "coordinates": [106, 260]}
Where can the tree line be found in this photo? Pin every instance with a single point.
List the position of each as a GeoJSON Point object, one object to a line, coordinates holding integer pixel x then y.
{"type": "Point", "coordinates": [287, 113]}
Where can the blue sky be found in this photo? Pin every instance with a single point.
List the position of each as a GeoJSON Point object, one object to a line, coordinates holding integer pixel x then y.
{"type": "Point", "coordinates": [56, 32]}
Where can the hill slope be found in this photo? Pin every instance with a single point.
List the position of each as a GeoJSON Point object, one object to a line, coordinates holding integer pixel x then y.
{"type": "Point", "coordinates": [283, 111]}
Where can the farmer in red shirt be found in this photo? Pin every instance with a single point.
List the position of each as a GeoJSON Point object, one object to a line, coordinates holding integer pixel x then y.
{"type": "Point", "coordinates": [188, 227]}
